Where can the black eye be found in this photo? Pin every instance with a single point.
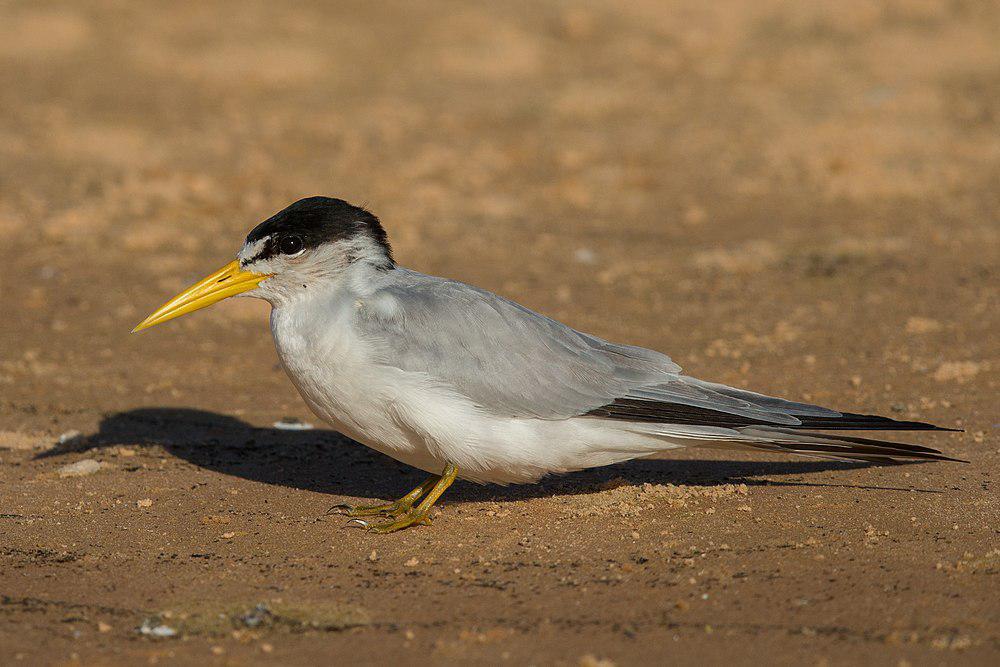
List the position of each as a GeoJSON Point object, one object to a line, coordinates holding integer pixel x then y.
{"type": "Point", "coordinates": [290, 245]}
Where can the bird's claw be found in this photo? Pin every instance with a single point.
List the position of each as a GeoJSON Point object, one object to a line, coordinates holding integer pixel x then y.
{"type": "Point", "coordinates": [401, 513]}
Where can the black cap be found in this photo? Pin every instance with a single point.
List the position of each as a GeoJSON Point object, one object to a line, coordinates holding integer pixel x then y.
{"type": "Point", "coordinates": [314, 221]}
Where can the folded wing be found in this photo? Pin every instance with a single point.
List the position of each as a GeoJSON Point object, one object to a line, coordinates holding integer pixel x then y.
{"type": "Point", "coordinates": [514, 362]}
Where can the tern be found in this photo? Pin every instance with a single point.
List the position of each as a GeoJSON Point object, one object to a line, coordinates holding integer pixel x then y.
{"type": "Point", "coordinates": [463, 383]}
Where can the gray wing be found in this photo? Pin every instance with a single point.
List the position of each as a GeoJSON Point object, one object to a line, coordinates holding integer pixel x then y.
{"type": "Point", "coordinates": [512, 361]}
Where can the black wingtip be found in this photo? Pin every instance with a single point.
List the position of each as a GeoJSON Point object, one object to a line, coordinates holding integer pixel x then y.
{"type": "Point", "coordinates": [848, 421]}
{"type": "Point", "coordinates": [861, 449]}
{"type": "Point", "coordinates": [641, 410]}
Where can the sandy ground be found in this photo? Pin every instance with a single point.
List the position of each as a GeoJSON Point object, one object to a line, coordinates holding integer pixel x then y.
{"type": "Point", "coordinates": [799, 198]}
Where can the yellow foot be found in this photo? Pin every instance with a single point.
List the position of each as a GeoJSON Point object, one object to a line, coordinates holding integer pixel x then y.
{"type": "Point", "coordinates": [414, 517]}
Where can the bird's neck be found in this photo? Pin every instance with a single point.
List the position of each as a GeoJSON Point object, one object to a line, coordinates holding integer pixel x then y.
{"type": "Point", "coordinates": [364, 276]}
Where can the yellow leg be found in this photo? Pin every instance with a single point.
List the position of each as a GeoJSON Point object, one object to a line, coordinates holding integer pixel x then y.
{"type": "Point", "coordinates": [419, 515]}
{"type": "Point", "coordinates": [395, 508]}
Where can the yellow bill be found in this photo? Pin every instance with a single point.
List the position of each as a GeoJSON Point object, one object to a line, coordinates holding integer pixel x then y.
{"type": "Point", "coordinates": [228, 281]}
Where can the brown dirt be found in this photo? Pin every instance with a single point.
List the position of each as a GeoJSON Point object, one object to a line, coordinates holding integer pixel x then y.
{"type": "Point", "coordinates": [799, 198]}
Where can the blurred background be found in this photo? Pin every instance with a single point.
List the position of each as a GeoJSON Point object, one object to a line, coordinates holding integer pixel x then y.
{"type": "Point", "coordinates": [723, 180]}
{"type": "Point", "coordinates": [802, 198]}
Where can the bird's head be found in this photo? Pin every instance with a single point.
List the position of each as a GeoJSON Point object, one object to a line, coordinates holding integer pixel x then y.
{"type": "Point", "coordinates": [298, 249]}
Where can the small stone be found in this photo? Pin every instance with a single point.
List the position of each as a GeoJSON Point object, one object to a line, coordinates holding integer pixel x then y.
{"type": "Point", "coordinates": [267, 648]}
{"type": "Point", "coordinates": [292, 424]}
{"type": "Point", "coordinates": [259, 615]}
{"type": "Point", "coordinates": [151, 628]}
{"type": "Point", "coordinates": [228, 536]}
{"type": "Point", "coordinates": [373, 556]}
{"type": "Point", "coordinates": [80, 468]}
{"type": "Point", "coordinates": [103, 627]}
{"type": "Point", "coordinates": [145, 502]}
{"type": "Point", "coordinates": [413, 562]}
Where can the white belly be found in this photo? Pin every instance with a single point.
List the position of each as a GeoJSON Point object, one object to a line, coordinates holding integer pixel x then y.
{"type": "Point", "coordinates": [413, 419]}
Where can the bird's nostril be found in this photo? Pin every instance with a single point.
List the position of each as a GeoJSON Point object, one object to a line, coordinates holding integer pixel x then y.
{"type": "Point", "coordinates": [222, 279]}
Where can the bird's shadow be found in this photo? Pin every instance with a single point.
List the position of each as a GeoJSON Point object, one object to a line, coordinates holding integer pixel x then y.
{"type": "Point", "coordinates": [327, 462]}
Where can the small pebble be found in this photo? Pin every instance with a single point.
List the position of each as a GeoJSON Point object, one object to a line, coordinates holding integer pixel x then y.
{"type": "Point", "coordinates": [80, 468]}
{"type": "Point", "coordinates": [292, 424]}
{"type": "Point", "coordinates": [152, 629]}
{"type": "Point", "coordinates": [145, 502]}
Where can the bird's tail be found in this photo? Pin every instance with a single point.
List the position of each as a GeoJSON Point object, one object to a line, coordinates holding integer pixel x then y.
{"type": "Point", "coordinates": [849, 448]}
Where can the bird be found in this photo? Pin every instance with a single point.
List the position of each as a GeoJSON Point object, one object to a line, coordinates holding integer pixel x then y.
{"type": "Point", "coordinates": [463, 383]}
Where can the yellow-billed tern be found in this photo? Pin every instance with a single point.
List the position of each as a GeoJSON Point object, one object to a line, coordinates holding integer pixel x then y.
{"type": "Point", "coordinates": [461, 382]}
